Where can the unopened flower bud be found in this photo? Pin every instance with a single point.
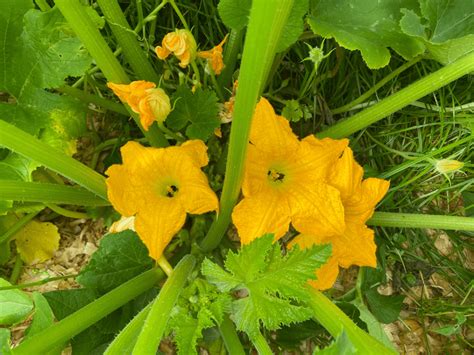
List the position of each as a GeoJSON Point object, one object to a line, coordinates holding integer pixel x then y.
{"type": "Point", "coordinates": [155, 106]}
{"type": "Point", "coordinates": [181, 43]}
{"type": "Point", "coordinates": [445, 166]}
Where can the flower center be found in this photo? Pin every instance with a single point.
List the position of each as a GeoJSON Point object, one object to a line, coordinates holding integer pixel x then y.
{"type": "Point", "coordinates": [275, 175]}
{"type": "Point", "coordinates": [171, 190]}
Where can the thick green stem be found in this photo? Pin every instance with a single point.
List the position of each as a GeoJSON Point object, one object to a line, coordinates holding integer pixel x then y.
{"type": "Point", "coordinates": [267, 19]}
{"type": "Point", "coordinates": [25, 144]}
{"type": "Point", "coordinates": [126, 339]}
{"type": "Point", "coordinates": [231, 52]}
{"type": "Point", "coordinates": [85, 29]}
{"type": "Point", "coordinates": [25, 191]}
{"type": "Point", "coordinates": [408, 220]}
{"type": "Point", "coordinates": [335, 321]}
{"type": "Point", "coordinates": [230, 337]}
{"type": "Point", "coordinates": [402, 98]}
{"type": "Point", "coordinates": [94, 99]}
{"type": "Point", "coordinates": [62, 331]}
{"type": "Point", "coordinates": [127, 39]}
{"type": "Point", "coordinates": [155, 323]}
{"type": "Point", "coordinates": [261, 345]}
{"type": "Point", "coordinates": [377, 86]}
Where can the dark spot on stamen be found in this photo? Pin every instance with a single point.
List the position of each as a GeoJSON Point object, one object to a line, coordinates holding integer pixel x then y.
{"type": "Point", "coordinates": [171, 191]}
{"type": "Point", "coordinates": [275, 175]}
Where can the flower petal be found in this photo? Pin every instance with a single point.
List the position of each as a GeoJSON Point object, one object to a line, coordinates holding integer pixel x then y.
{"type": "Point", "coordinates": [271, 133]}
{"type": "Point", "coordinates": [360, 206]}
{"type": "Point", "coordinates": [157, 225]}
{"type": "Point", "coordinates": [346, 175]}
{"type": "Point", "coordinates": [124, 200]}
{"type": "Point", "coordinates": [260, 214]}
{"type": "Point", "coordinates": [356, 246]}
{"type": "Point", "coordinates": [316, 209]}
{"type": "Point", "coordinates": [327, 273]}
{"type": "Point", "coordinates": [197, 150]}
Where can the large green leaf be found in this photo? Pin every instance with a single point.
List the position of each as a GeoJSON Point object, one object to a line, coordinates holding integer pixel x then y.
{"type": "Point", "coordinates": [445, 26]}
{"type": "Point", "coordinates": [120, 257]}
{"type": "Point", "coordinates": [370, 26]}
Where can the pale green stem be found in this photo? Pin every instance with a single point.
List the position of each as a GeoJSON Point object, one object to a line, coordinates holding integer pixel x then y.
{"type": "Point", "coordinates": [408, 220]}
{"type": "Point", "coordinates": [267, 19]}
{"type": "Point", "coordinates": [155, 323]}
{"type": "Point", "coordinates": [31, 147]}
{"type": "Point", "coordinates": [402, 98]}
{"type": "Point", "coordinates": [67, 213]}
{"type": "Point", "coordinates": [261, 345]}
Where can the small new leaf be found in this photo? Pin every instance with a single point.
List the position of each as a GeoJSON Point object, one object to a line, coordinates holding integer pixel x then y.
{"type": "Point", "coordinates": [273, 285]}
{"type": "Point", "coordinates": [199, 109]}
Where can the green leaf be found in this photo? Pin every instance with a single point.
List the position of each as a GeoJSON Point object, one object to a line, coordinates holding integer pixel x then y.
{"type": "Point", "coordinates": [235, 13]}
{"type": "Point", "coordinates": [294, 25]}
{"type": "Point", "coordinates": [199, 109]}
{"type": "Point", "coordinates": [120, 257]}
{"type": "Point", "coordinates": [444, 26]}
{"type": "Point", "coordinates": [292, 111]}
{"type": "Point", "coordinates": [342, 346]}
{"type": "Point", "coordinates": [373, 326]}
{"type": "Point", "coordinates": [15, 305]}
{"type": "Point", "coordinates": [43, 317]}
{"type": "Point", "coordinates": [385, 308]}
{"type": "Point", "coordinates": [200, 306]}
{"type": "Point", "coordinates": [275, 286]}
{"type": "Point", "coordinates": [5, 344]}
{"type": "Point", "coordinates": [370, 26]}
{"type": "Point", "coordinates": [39, 53]}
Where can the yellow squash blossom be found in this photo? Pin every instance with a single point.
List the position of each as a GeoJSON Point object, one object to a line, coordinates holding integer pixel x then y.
{"type": "Point", "coordinates": [355, 246]}
{"type": "Point", "coordinates": [214, 57]}
{"type": "Point", "coordinates": [159, 186]}
{"type": "Point", "coordinates": [285, 182]}
{"type": "Point", "coordinates": [181, 43]}
{"type": "Point", "coordinates": [151, 103]}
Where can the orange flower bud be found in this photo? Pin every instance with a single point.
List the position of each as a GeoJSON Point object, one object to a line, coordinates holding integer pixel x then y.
{"type": "Point", "coordinates": [214, 57]}
{"type": "Point", "coordinates": [181, 43]}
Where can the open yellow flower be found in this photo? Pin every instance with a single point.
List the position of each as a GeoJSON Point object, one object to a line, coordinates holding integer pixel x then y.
{"type": "Point", "coordinates": [159, 186]}
{"type": "Point", "coordinates": [355, 246]}
{"type": "Point", "coordinates": [181, 43]}
{"type": "Point", "coordinates": [285, 181]}
{"type": "Point", "coordinates": [214, 57]}
{"type": "Point", "coordinates": [152, 104]}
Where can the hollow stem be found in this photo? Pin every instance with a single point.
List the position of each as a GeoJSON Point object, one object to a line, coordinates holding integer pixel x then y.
{"type": "Point", "coordinates": [402, 98]}
{"type": "Point", "coordinates": [335, 321]}
{"type": "Point", "coordinates": [267, 19]}
{"type": "Point", "coordinates": [127, 40]}
{"type": "Point", "coordinates": [409, 220]}
{"type": "Point", "coordinates": [230, 337]}
{"type": "Point", "coordinates": [65, 329]}
{"type": "Point", "coordinates": [155, 323]}
{"type": "Point", "coordinates": [261, 345]}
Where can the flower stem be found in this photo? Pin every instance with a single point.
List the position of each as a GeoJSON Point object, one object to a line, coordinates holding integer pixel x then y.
{"type": "Point", "coordinates": [62, 331]}
{"type": "Point", "coordinates": [261, 345]}
{"type": "Point", "coordinates": [402, 98]}
{"type": "Point", "coordinates": [408, 220]}
{"type": "Point", "coordinates": [31, 147]}
{"type": "Point", "coordinates": [155, 323]}
{"type": "Point", "coordinates": [127, 40]}
{"type": "Point", "coordinates": [66, 213]}
{"type": "Point", "coordinates": [230, 337]}
{"type": "Point", "coordinates": [267, 19]}
{"type": "Point", "coordinates": [94, 99]}
{"type": "Point", "coordinates": [165, 265]}
{"type": "Point", "coordinates": [335, 321]}
{"type": "Point", "coordinates": [75, 14]}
